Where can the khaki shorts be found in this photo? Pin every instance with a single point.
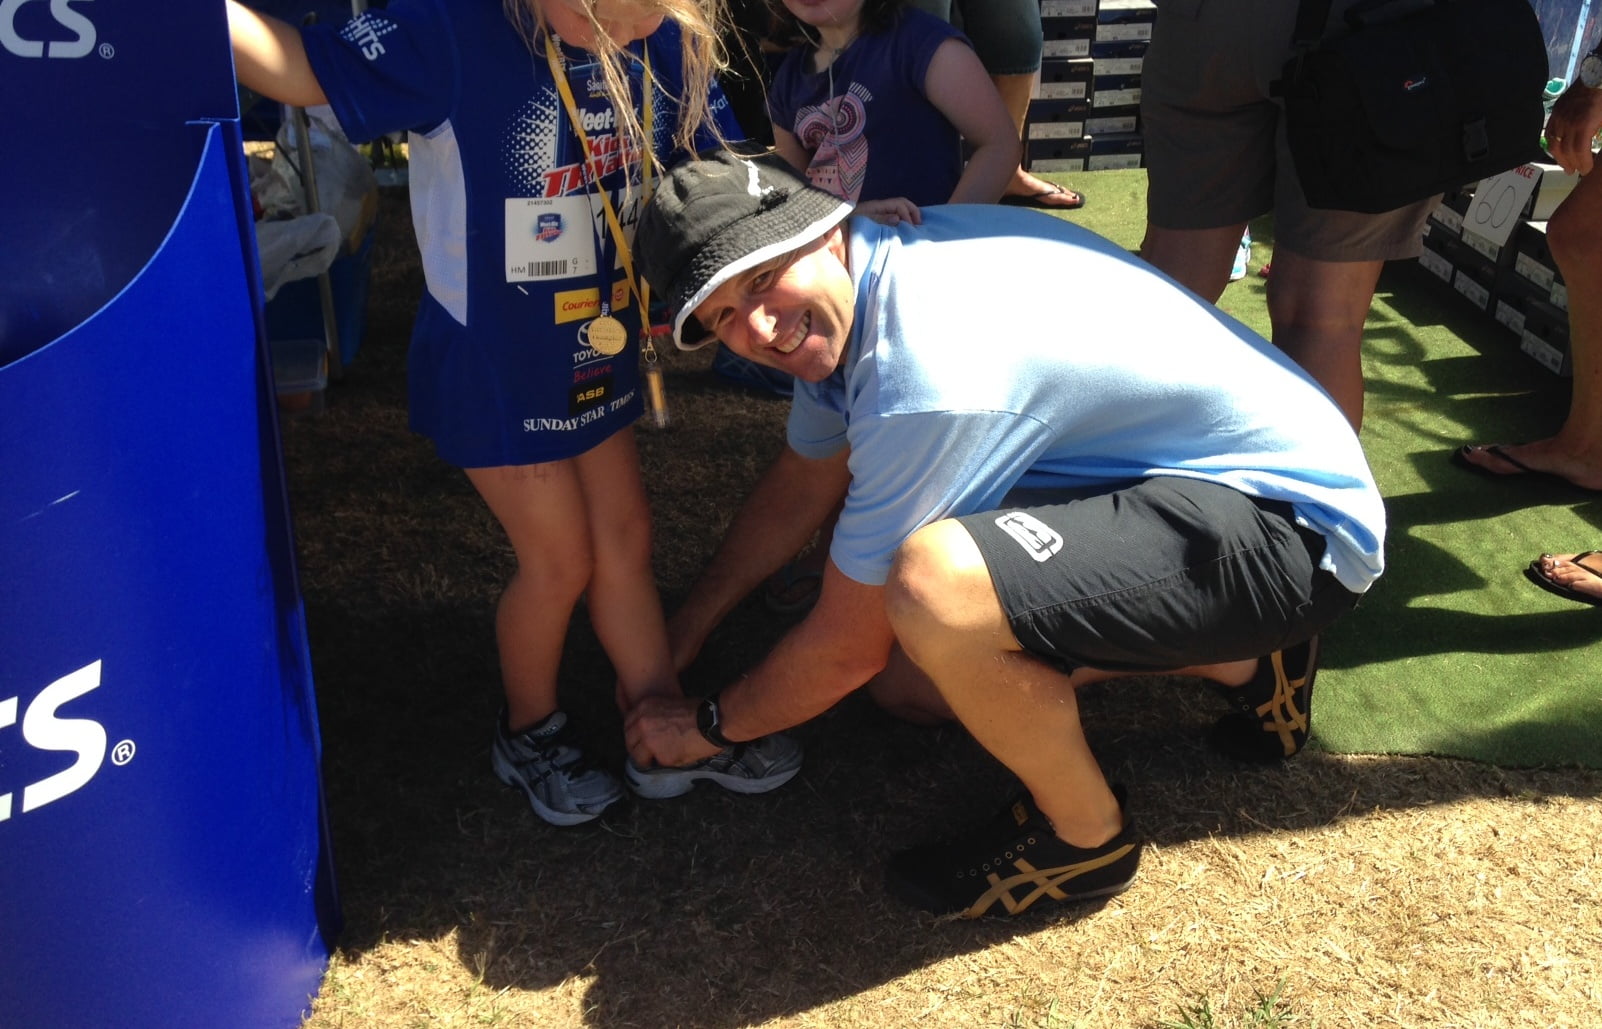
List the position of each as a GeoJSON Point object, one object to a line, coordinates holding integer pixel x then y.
{"type": "Point", "coordinates": [1215, 141]}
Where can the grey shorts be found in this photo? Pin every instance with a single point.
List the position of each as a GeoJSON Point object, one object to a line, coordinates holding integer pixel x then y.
{"type": "Point", "coordinates": [1157, 574]}
{"type": "Point", "coordinates": [1215, 142]}
{"type": "Point", "coordinates": [1006, 34]}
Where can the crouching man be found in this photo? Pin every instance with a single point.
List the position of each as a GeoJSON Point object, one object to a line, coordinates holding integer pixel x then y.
{"type": "Point", "coordinates": [1058, 468]}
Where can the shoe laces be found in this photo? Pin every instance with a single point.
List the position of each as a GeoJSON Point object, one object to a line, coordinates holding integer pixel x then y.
{"type": "Point", "coordinates": [996, 862]}
{"type": "Point", "coordinates": [555, 750]}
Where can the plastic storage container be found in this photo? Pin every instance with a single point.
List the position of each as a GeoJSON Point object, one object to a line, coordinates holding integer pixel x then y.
{"type": "Point", "coordinates": [300, 374]}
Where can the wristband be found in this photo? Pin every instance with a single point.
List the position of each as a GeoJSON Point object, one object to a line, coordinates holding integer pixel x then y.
{"type": "Point", "coordinates": [709, 719]}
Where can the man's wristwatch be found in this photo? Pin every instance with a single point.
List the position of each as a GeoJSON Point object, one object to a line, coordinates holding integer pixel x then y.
{"type": "Point", "coordinates": [709, 720]}
{"type": "Point", "coordinates": [1591, 70]}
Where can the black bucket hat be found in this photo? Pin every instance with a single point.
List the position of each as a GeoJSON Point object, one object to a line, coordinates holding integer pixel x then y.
{"type": "Point", "coordinates": [716, 216]}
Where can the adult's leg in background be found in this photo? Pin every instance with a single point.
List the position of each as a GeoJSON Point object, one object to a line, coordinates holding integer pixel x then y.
{"type": "Point", "coordinates": [1317, 310]}
{"type": "Point", "coordinates": [1574, 234]}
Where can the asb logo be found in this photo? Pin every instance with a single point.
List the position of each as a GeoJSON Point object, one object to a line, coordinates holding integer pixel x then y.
{"type": "Point", "coordinates": [43, 728]}
{"type": "Point", "coordinates": [13, 41]}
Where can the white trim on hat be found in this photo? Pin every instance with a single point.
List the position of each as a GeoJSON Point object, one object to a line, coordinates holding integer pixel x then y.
{"type": "Point", "coordinates": [751, 260]}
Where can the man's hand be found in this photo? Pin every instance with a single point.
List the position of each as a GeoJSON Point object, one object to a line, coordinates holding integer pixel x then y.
{"type": "Point", "coordinates": [1576, 117]}
{"type": "Point", "coordinates": [662, 731]}
{"type": "Point", "coordinates": [891, 211]}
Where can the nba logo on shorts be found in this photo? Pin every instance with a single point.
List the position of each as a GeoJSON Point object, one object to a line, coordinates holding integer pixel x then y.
{"type": "Point", "coordinates": [547, 227]}
{"type": "Point", "coordinates": [1036, 538]}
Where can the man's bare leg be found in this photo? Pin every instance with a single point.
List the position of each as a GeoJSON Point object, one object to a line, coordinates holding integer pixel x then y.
{"type": "Point", "coordinates": [1024, 712]}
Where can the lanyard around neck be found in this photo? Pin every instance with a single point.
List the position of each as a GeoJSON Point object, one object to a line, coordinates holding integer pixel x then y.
{"type": "Point", "coordinates": [641, 289]}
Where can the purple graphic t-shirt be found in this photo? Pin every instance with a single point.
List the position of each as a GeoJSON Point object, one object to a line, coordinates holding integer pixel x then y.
{"type": "Point", "coordinates": [866, 120]}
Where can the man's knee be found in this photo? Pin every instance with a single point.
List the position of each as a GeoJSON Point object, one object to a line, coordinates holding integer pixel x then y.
{"type": "Point", "coordinates": [938, 583]}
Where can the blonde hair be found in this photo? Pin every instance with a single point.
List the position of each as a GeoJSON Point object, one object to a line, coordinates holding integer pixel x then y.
{"type": "Point", "coordinates": [700, 22]}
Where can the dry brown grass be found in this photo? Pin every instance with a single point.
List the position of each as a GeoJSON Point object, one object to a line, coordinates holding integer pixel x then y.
{"type": "Point", "coordinates": [1381, 891]}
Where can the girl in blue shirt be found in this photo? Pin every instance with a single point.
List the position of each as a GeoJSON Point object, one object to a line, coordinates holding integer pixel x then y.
{"type": "Point", "coordinates": [526, 181]}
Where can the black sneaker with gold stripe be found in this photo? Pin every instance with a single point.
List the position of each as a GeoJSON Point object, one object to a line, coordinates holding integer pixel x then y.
{"type": "Point", "coordinates": [1274, 711]}
{"type": "Point", "coordinates": [1011, 864]}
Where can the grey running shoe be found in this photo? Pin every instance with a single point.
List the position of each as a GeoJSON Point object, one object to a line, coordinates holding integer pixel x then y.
{"type": "Point", "coordinates": [755, 767]}
{"type": "Point", "coordinates": [544, 762]}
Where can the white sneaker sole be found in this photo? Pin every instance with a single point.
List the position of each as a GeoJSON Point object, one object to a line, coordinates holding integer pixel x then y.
{"type": "Point", "coordinates": [663, 784]}
{"type": "Point", "coordinates": [508, 775]}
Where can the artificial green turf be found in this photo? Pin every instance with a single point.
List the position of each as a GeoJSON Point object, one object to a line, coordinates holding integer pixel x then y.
{"type": "Point", "coordinates": [1453, 652]}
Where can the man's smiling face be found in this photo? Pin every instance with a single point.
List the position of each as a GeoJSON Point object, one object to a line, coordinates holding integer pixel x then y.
{"type": "Point", "coordinates": [793, 313]}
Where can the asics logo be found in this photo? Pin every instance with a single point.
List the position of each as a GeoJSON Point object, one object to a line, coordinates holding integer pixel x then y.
{"type": "Point", "coordinates": [1038, 539]}
{"type": "Point", "coordinates": [15, 43]}
{"type": "Point", "coordinates": [44, 729]}
{"type": "Point", "coordinates": [1031, 883]}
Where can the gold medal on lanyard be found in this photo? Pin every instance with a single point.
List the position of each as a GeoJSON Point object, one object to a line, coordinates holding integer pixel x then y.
{"type": "Point", "coordinates": [606, 334]}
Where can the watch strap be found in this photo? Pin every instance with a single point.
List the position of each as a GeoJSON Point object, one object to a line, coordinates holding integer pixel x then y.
{"type": "Point", "coordinates": [709, 719]}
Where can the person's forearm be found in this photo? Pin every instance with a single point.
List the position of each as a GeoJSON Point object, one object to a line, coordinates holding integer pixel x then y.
{"type": "Point", "coordinates": [788, 504]}
{"type": "Point", "coordinates": [790, 148]}
{"type": "Point", "coordinates": [270, 59]}
{"type": "Point", "coordinates": [837, 648]}
{"type": "Point", "coordinates": [985, 177]}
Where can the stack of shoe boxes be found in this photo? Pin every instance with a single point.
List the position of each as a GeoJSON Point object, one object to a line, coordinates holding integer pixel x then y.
{"type": "Point", "coordinates": [1085, 114]}
{"type": "Point", "coordinates": [1516, 283]}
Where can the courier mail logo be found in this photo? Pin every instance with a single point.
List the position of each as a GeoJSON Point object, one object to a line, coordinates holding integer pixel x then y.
{"type": "Point", "coordinates": [13, 42]}
{"type": "Point", "coordinates": [43, 728]}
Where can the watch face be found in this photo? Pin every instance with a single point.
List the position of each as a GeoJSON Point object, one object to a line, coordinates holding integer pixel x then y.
{"type": "Point", "coordinates": [1591, 71]}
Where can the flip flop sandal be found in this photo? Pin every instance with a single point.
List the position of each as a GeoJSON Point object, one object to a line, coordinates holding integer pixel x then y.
{"type": "Point", "coordinates": [1038, 200]}
{"type": "Point", "coordinates": [1460, 457]}
{"type": "Point", "coordinates": [792, 590]}
{"type": "Point", "coordinates": [1535, 574]}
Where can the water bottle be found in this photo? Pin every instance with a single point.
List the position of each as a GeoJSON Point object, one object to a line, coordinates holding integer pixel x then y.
{"type": "Point", "coordinates": [1549, 95]}
{"type": "Point", "coordinates": [1243, 254]}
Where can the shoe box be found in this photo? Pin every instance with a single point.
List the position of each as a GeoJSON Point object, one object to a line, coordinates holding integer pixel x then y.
{"type": "Point", "coordinates": [1066, 78]}
{"type": "Point", "coordinates": [1089, 85]}
{"type": "Point", "coordinates": [1541, 327]}
{"type": "Point", "coordinates": [1515, 283]}
{"type": "Point", "coordinates": [1058, 155]}
{"type": "Point", "coordinates": [1109, 59]}
{"type": "Point", "coordinates": [1532, 258]}
{"type": "Point", "coordinates": [1105, 121]}
{"type": "Point", "coordinates": [1109, 91]}
{"type": "Point", "coordinates": [1056, 10]}
{"type": "Point", "coordinates": [1121, 21]}
{"type": "Point", "coordinates": [1116, 150]}
{"type": "Point", "coordinates": [1057, 119]}
{"type": "Point", "coordinates": [1067, 38]}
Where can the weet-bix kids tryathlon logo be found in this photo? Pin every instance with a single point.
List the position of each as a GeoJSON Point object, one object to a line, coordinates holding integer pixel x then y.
{"type": "Point", "coordinates": [548, 228]}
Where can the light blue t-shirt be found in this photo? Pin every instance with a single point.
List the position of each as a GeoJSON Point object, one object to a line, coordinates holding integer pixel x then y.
{"type": "Point", "coordinates": [995, 348]}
